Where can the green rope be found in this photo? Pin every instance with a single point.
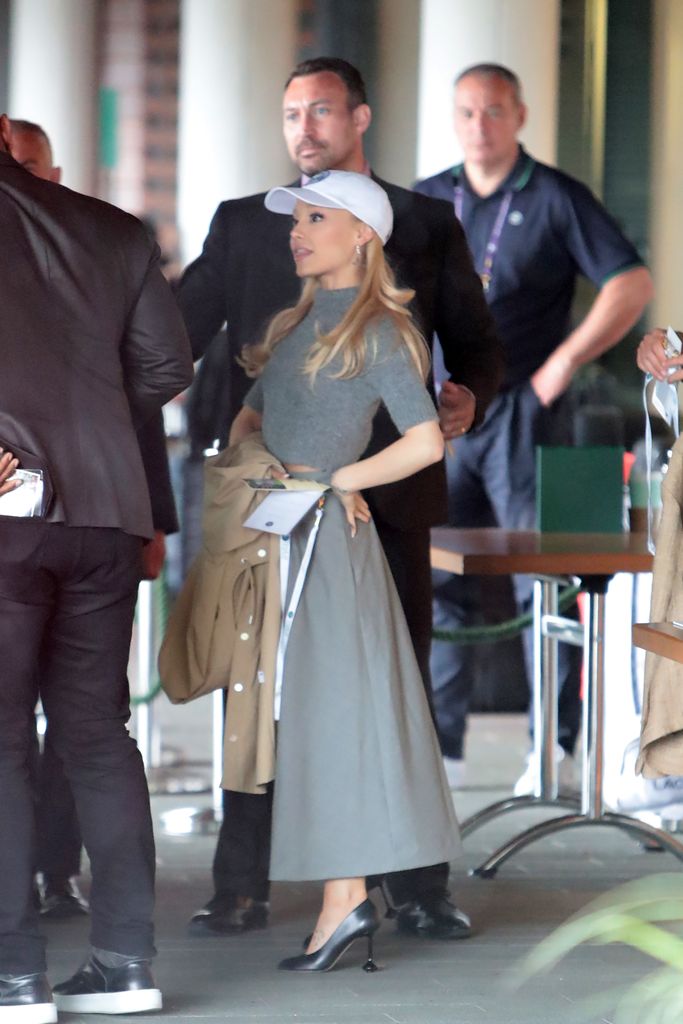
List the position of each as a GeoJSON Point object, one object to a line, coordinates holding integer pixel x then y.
{"type": "Point", "coordinates": [161, 608]}
{"type": "Point", "coordinates": [466, 635]}
{"type": "Point", "coordinates": [500, 630]}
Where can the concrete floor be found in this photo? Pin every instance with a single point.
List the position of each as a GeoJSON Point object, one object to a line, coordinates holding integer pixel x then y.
{"type": "Point", "coordinates": [423, 982]}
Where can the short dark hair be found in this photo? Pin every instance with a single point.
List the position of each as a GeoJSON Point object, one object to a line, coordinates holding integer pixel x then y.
{"type": "Point", "coordinates": [350, 76]}
{"type": "Point", "coordinates": [493, 71]}
{"type": "Point", "coordinates": [19, 125]}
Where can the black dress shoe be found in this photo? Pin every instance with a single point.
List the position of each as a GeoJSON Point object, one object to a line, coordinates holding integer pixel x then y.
{"type": "Point", "coordinates": [433, 917]}
{"type": "Point", "coordinates": [27, 998]}
{"type": "Point", "coordinates": [62, 898]}
{"type": "Point", "coordinates": [228, 914]}
{"type": "Point", "coordinates": [362, 922]}
{"type": "Point", "coordinates": [99, 989]}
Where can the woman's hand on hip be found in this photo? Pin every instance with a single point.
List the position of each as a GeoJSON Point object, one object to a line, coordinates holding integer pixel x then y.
{"type": "Point", "coordinates": [355, 507]}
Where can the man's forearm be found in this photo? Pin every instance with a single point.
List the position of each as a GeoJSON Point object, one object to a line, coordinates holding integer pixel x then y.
{"type": "Point", "coordinates": [617, 307]}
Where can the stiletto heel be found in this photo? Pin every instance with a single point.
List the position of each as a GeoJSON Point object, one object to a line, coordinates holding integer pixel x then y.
{"type": "Point", "coordinates": [362, 922]}
{"type": "Point", "coordinates": [370, 966]}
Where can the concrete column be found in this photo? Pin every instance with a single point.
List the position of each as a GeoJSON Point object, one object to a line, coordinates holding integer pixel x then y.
{"type": "Point", "coordinates": [53, 79]}
{"type": "Point", "coordinates": [522, 34]}
{"type": "Point", "coordinates": [234, 58]}
{"type": "Point", "coordinates": [395, 127]}
{"type": "Point", "coordinates": [666, 229]}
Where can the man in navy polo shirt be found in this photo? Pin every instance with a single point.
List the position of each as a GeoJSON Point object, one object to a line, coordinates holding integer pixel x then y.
{"type": "Point", "coordinates": [532, 230]}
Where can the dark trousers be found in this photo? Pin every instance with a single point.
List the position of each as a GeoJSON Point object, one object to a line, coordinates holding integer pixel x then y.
{"type": "Point", "coordinates": [59, 834]}
{"type": "Point", "coordinates": [492, 482]}
{"type": "Point", "coordinates": [67, 598]}
{"type": "Point", "coordinates": [241, 861]}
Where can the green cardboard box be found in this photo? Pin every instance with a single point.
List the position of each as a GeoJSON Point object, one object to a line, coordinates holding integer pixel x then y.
{"type": "Point", "coordinates": [579, 490]}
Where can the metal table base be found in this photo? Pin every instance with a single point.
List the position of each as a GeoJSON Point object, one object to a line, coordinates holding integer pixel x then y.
{"type": "Point", "coordinates": [549, 629]}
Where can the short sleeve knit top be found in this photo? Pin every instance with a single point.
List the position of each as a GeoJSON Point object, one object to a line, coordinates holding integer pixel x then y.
{"type": "Point", "coordinates": [327, 424]}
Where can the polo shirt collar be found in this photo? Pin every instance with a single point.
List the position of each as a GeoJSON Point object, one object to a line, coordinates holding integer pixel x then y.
{"type": "Point", "coordinates": [516, 180]}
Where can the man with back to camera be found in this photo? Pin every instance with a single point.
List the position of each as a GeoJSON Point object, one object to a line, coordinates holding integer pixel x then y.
{"type": "Point", "coordinates": [244, 275]}
{"type": "Point", "coordinates": [32, 148]}
{"type": "Point", "coordinates": [92, 345]}
{"type": "Point", "coordinates": [59, 836]}
{"type": "Point", "coordinates": [531, 230]}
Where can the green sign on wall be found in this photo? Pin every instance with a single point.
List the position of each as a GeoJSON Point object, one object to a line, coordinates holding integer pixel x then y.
{"type": "Point", "coordinates": [108, 128]}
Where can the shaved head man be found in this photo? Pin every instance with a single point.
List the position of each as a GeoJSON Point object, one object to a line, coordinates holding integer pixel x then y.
{"type": "Point", "coordinates": [32, 149]}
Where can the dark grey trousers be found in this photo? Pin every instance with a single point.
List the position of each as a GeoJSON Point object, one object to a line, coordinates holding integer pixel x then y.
{"type": "Point", "coordinates": [67, 599]}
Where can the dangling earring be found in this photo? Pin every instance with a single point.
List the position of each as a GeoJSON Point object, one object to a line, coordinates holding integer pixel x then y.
{"type": "Point", "coordinates": [358, 258]}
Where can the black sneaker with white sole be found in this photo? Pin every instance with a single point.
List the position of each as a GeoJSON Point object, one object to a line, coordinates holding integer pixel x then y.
{"type": "Point", "coordinates": [26, 999]}
{"type": "Point", "coordinates": [99, 989]}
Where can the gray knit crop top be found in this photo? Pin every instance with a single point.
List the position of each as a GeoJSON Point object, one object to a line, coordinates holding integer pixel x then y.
{"type": "Point", "coordinates": [327, 424]}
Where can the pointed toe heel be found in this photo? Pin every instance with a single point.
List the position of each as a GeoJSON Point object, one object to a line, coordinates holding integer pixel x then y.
{"type": "Point", "coordinates": [362, 922]}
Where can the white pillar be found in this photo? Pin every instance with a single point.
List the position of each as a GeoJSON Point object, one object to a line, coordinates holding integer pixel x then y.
{"type": "Point", "coordinates": [667, 168]}
{"type": "Point", "coordinates": [53, 80]}
{"type": "Point", "coordinates": [395, 128]}
{"type": "Point", "coordinates": [235, 56]}
{"type": "Point", "coordinates": [521, 34]}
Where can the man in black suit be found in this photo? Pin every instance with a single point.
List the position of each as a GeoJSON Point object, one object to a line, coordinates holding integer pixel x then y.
{"type": "Point", "coordinates": [244, 275]}
{"type": "Point", "coordinates": [92, 347]}
{"type": "Point", "coordinates": [59, 835]}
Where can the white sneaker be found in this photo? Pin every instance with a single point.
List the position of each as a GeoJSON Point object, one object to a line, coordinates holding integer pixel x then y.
{"type": "Point", "coordinates": [632, 792]}
{"type": "Point", "coordinates": [455, 771]}
{"type": "Point", "coordinates": [566, 776]}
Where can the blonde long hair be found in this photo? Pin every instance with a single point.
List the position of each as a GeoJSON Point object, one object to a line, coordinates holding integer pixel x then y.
{"type": "Point", "coordinates": [378, 298]}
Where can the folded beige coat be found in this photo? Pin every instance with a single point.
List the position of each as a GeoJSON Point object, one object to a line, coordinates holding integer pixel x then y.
{"type": "Point", "coordinates": [224, 626]}
{"type": "Point", "coordinates": [661, 738]}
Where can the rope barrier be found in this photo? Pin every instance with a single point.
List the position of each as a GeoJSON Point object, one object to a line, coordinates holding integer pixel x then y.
{"type": "Point", "coordinates": [499, 631]}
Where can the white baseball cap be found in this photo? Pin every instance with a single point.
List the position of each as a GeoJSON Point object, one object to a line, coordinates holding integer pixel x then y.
{"type": "Point", "coordinates": [340, 190]}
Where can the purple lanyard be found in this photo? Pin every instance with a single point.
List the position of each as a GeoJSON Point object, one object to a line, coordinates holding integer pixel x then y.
{"type": "Point", "coordinates": [494, 239]}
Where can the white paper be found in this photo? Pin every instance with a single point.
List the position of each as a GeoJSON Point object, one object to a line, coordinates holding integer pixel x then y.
{"type": "Point", "coordinates": [665, 395]}
{"type": "Point", "coordinates": [24, 501]}
{"type": "Point", "coordinates": [673, 343]}
{"type": "Point", "coordinates": [280, 511]}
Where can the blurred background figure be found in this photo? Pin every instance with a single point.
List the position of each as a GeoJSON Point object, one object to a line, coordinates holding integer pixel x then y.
{"type": "Point", "coordinates": [531, 230]}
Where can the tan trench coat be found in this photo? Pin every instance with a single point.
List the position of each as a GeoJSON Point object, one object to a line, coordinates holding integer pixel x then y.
{"type": "Point", "coordinates": [224, 627]}
{"type": "Point", "coordinates": [661, 738]}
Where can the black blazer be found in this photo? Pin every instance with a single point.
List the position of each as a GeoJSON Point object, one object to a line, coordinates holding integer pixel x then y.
{"type": "Point", "coordinates": [245, 274]}
{"type": "Point", "coordinates": [92, 346]}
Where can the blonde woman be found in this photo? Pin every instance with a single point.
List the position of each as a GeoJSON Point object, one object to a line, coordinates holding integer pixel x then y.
{"type": "Point", "coordinates": [359, 786]}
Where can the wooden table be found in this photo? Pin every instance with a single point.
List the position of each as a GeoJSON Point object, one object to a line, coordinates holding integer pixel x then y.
{"type": "Point", "coordinates": [661, 638]}
{"type": "Point", "coordinates": [594, 558]}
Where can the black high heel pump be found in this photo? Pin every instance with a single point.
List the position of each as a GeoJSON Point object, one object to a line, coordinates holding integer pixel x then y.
{"type": "Point", "coordinates": [362, 922]}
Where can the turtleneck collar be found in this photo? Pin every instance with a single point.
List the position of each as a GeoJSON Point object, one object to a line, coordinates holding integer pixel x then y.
{"type": "Point", "coordinates": [331, 304]}
{"type": "Point", "coordinates": [326, 298]}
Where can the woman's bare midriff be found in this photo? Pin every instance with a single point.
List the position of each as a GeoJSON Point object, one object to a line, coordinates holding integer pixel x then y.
{"type": "Point", "coordinates": [292, 467]}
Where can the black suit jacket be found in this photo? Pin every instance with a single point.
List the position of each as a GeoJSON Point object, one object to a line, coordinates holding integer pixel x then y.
{"type": "Point", "coordinates": [152, 441]}
{"type": "Point", "coordinates": [245, 274]}
{"type": "Point", "coordinates": [92, 346]}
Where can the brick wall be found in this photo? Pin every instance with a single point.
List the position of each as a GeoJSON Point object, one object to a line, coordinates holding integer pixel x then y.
{"type": "Point", "coordinates": [139, 73]}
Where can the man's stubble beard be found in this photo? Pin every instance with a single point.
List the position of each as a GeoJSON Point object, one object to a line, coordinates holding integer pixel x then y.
{"type": "Point", "coordinates": [316, 165]}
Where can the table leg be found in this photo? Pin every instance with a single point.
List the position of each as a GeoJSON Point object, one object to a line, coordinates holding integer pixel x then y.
{"type": "Point", "coordinates": [592, 747]}
{"type": "Point", "coordinates": [545, 691]}
{"type": "Point", "coordinates": [592, 806]}
{"type": "Point", "coordinates": [544, 704]}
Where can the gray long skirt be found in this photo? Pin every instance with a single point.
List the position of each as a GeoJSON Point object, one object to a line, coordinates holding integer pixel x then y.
{"type": "Point", "coordinates": [360, 787]}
